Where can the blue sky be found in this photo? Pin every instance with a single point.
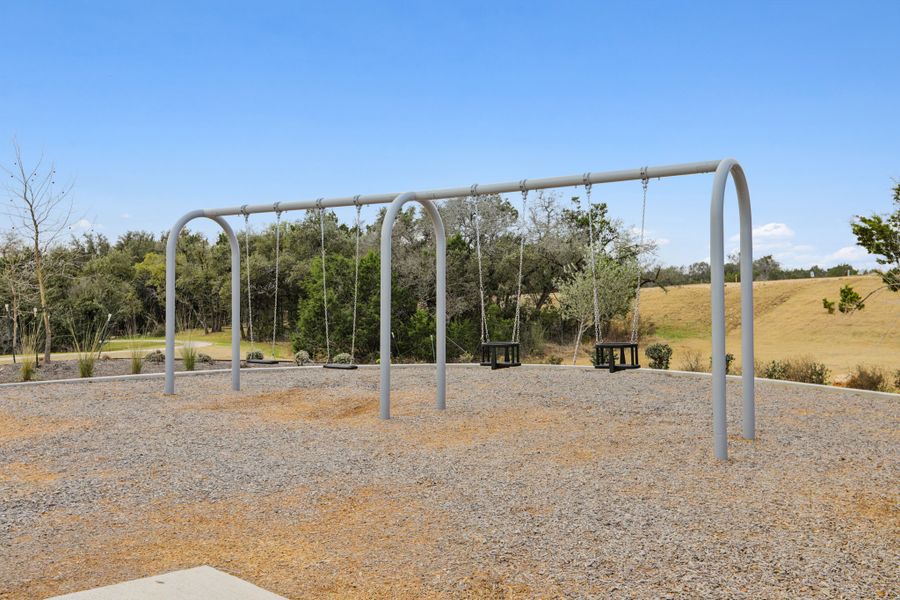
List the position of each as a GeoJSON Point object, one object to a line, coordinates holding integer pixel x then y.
{"type": "Point", "coordinates": [156, 108]}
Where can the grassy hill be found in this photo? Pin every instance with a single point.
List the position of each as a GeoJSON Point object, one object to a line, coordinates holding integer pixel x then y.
{"type": "Point", "coordinates": [790, 321]}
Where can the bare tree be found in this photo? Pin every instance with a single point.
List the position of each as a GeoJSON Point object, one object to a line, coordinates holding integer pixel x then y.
{"type": "Point", "coordinates": [40, 211]}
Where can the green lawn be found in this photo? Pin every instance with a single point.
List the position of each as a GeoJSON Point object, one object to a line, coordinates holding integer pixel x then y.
{"type": "Point", "coordinates": [219, 344]}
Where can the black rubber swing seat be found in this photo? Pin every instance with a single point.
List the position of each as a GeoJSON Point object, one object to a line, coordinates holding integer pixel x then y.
{"type": "Point", "coordinates": [605, 356]}
{"type": "Point", "coordinates": [261, 361]}
{"type": "Point", "coordinates": [490, 355]}
{"type": "Point", "coordinates": [344, 366]}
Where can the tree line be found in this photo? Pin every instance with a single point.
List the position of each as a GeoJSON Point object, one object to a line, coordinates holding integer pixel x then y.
{"type": "Point", "coordinates": [90, 278]}
{"type": "Point", "coordinates": [67, 286]}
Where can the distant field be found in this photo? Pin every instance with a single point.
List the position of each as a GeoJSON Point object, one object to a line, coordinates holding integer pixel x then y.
{"type": "Point", "coordinates": [789, 321]}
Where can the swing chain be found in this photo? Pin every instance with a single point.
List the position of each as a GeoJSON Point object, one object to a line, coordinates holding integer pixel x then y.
{"type": "Point", "coordinates": [277, 208]}
{"type": "Point", "coordinates": [485, 336]}
{"type": "Point", "coordinates": [246, 216]}
{"type": "Point", "coordinates": [635, 316]}
{"type": "Point", "coordinates": [355, 277]}
{"type": "Point", "coordinates": [517, 322]}
{"type": "Point", "coordinates": [588, 186]}
{"type": "Point", "coordinates": [324, 282]}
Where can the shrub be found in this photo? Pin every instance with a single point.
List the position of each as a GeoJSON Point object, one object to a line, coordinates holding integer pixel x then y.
{"type": "Point", "coordinates": [659, 355]}
{"type": "Point", "coordinates": [156, 357]}
{"type": "Point", "coordinates": [205, 358]}
{"type": "Point", "coordinates": [255, 355]}
{"type": "Point", "coordinates": [897, 380]}
{"type": "Point", "coordinates": [828, 305]}
{"type": "Point", "coordinates": [86, 362]}
{"type": "Point", "coordinates": [802, 369]}
{"type": "Point", "coordinates": [850, 300]}
{"type": "Point", "coordinates": [466, 357]}
{"type": "Point", "coordinates": [868, 378]}
{"type": "Point", "coordinates": [87, 347]}
{"type": "Point", "coordinates": [342, 359]}
{"type": "Point", "coordinates": [137, 361]}
{"type": "Point", "coordinates": [729, 360]}
{"type": "Point", "coordinates": [553, 359]}
{"type": "Point", "coordinates": [773, 370]}
{"type": "Point", "coordinates": [302, 358]}
{"type": "Point", "coordinates": [189, 357]}
{"type": "Point", "coordinates": [693, 361]}
{"type": "Point", "coordinates": [28, 361]}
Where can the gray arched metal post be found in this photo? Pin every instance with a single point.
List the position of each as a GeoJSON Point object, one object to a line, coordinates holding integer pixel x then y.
{"type": "Point", "coordinates": [171, 246]}
{"type": "Point", "coordinates": [717, 278]}
{"type": "Point", "coordinates": [440, 241]}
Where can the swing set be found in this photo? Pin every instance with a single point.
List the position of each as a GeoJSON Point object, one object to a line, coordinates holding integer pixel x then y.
{"type": "Point", "coordinates": [605, 352]}
{"type": "Point", "coordinates": [328, 362]}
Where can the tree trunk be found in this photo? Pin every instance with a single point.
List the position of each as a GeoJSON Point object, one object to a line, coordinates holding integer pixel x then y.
{"type": "Point", "coordinates": [581, 328]}
{"type": "Point", "coordinates": [42, 290]}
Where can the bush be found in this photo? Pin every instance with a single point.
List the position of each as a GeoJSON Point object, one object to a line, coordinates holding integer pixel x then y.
{"type": "Point", "coordinates": [255, 355]}
{"type": "Point", "coordinates": [342, 359]}
{"type": "Point", "coordinates": [773, 370]}
{"type": "Point", "coordinates": [86, 362]}
{"type": "Point", "coordinates": [189, 357]}
{"type": "Point", "coordinates": [897, 380]}
{"type": "Point", "coordinates": [87, 347]}
{"type": "Point", "coordinates": [659, 355]}
{"type": "Point", "coordinates": [553, 359]}
{"type": "Point", "coordinates": [802, 369]}
{"type": "Point", "coordinates": [28, 360]}
{"type": "Point", "coordinates": [466, 357]}
{"type": "Point", "coordinates": [156, 357]}
{"type": "Point", "coordinates": [205, 358]}
{"type": "Point", "coordinates": [850, 300]}
{"type": "Point", "coordinates": [729, 360]}
{"type": "Point", "coordinates": [868, 378]}
{"type": "Point", "coordinates": [693, 361]}
{"type": "Point", "coordinates": [137, 361]}
{"type": "Point", "coordinates": [301, 357]}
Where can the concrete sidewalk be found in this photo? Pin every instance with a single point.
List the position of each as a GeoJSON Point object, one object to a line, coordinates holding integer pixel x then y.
{"type": "Point", "coordinates": [199, 583]}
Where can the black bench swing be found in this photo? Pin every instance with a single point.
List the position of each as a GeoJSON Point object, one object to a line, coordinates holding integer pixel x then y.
{"type": "Point", "coordinates": [499, 354]}
{"type": "Point", "coordinates": [329, 364]}
{"type": "Point", "coordinates": [615, 356]}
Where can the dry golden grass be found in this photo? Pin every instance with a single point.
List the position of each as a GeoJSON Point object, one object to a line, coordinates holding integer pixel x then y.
{"type": "Point", "coordinates": [26, 475]}
{"type": "Point", "coordinates": [789, 321]}
{"type": "Point", "coordinates": [388, 543]}
{"type": "Point", "coordinates": [17, 428]}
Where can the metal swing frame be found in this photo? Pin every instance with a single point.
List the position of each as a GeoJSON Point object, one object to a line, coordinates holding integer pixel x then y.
{"type": "Point", "coordinates": [723, 169]}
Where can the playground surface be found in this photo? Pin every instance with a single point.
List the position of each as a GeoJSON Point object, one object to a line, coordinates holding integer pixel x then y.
{"type": "Point", "coordinates": [536, 482]}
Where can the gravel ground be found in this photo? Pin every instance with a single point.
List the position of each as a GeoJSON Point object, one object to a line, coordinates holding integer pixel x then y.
{"type": "Point", "coordinates": [536, 482]}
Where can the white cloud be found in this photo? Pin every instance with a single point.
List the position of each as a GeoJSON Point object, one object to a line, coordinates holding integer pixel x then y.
{"type": "Point", "coordinates": [850, 254]}
{"type": "Point", "coordinates": [769, 231]}
{"type": "Point", "coordinates": [125, 216]}
{"type": "Point", "coordinates": [663, 241]}
{"type": "Point", "coordinates": [85, 225]}
{"type": "Point", "coordinates": [773, 231]}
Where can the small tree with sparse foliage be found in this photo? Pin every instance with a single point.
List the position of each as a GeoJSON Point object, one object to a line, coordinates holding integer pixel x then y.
{"type": "Point", "coordinates": [879, 235]}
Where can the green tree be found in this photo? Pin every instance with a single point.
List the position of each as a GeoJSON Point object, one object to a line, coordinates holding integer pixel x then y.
{"type": "Point", "coordinates": [880, 236]}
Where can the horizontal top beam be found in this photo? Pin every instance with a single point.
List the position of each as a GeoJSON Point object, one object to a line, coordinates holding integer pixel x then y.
{"type": "Point", "coordinates": [490, 188]}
